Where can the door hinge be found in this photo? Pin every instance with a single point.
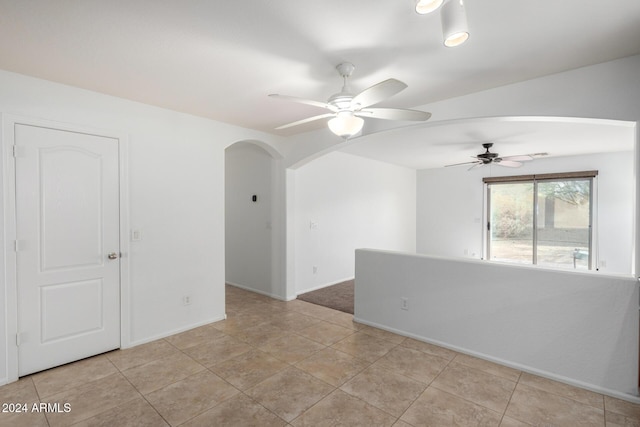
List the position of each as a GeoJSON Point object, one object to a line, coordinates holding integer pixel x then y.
{"type": "Point", "coordinates": [18, 245]}
{"type": "Point", "coordinates": [19, 151]}
{"type": "Point", "coordinates": [18, 339]}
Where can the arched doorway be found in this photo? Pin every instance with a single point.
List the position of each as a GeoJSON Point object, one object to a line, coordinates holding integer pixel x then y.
{"type": "Point", "coordinates": [253, 218]}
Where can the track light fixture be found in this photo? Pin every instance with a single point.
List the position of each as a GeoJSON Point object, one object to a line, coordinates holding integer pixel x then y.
{"type": "Point", "coordinates": [427, 6]}
{"type": "Point", "coordinates": [453, 16]}
{"type": "Point", "coordinates": [454, 23]}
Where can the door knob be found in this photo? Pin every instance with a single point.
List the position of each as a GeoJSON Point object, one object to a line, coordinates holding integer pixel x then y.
{"type": "Point", "coordinates": [113, 255]}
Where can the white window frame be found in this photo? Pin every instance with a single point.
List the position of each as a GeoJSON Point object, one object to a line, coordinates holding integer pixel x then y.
{"type": "Point", "coordinates": [593, 262]}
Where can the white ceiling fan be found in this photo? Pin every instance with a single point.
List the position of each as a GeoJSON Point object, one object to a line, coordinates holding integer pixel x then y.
{"type": "Point", "coordinates": [488, 157]}
{"type": "Point", "coordinates": [347, 109]}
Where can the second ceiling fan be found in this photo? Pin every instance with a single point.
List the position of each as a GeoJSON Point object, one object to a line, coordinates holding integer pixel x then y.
{"type": "Point", "coordinates": [488, 157]}
{"type": "Point", "coordinates": [346, 110]}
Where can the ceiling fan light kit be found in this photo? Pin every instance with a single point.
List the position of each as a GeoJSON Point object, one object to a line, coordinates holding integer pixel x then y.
{"type": "Point", "coordinates": [345, 124]}
{"type": "Point", "coordinates": [489, 157]}
{"type": "Point", "coordinates": [347, 110]}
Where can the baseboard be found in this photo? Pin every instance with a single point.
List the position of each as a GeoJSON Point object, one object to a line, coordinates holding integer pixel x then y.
{"type": "Point", "coordinates": [326, 285]}
{"type": "Point", "coordinates": [173, 332]}
{"type": "Point", "coordinates": [509, 364]}
{"type": "Point", "coordinates": [257, 291]}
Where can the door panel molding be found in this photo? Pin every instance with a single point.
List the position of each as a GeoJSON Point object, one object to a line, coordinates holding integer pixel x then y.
{"type": "Point", "coordinates": [8, 224]}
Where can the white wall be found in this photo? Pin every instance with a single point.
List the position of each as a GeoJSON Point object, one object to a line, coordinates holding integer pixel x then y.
{"type": "Point", "coordinates": [450, 209]}
{"type": "Point", "coordinates": [354, 203]}
{"type": "Point", "coordinates": [248, 242]}
{"type": "Point", "coordinates": [176, 190]}
{"type": "Point", "coordinates": [578, 328]}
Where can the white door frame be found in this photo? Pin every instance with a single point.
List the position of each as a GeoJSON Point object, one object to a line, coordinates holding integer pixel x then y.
{"type": "Point", "coordinates": [9, 230]}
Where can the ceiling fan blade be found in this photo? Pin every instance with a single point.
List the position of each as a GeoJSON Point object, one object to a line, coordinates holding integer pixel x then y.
{"type": "Point", "coordinates": [307, 120]}
{"type": "Point", "coordinates": [394, 114]}
{"type": "Point", "coordinates": [522, 158]}
{"type": "Point", "coordinates": [507, 163]}
{"type": "Point", "coordinates": [376, 93]}
{"type": "Point", "coordinates": [304, 101]}
{"type": "Point", "coordinates": [476, 163]}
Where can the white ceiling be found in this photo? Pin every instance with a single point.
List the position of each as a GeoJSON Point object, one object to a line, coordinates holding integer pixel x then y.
{"type": "Point", "coordinates": [437, 144]}
{"type": "Point", "coordinates": [221, 58]}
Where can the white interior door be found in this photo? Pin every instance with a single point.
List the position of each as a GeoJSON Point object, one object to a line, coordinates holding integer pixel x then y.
{"type": "Point", "coordinates": [68, 272]}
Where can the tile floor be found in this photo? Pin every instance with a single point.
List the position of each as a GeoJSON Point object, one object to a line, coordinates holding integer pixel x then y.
{"type": "Point", "coordinates": [274, 363]}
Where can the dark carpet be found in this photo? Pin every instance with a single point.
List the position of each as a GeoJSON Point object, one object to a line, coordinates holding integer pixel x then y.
{"type": "Point", "coordinates": [338, 297]}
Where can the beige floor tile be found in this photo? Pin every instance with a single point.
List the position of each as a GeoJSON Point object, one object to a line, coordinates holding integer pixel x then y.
{"type": "Point", "coordinates": [22, 390]}
{"type": "Point", "coordinates": [314, 310]}
{"type": "Point", "coordinates": [304, 352]}
{"type": "Point", "coordinates": [488, 367]}
{"type": "Point", "coordinates": [332, 366]}
{"type": "Point", "coordinates": [291, 348]}
{"type": "Point", "coordinates": [510, 422]}
{"type": "Point", "coordinates": [344, 319]}
{"type": "Point", "coordinates": [382, 334]}
{"type": "Point", "coordinates": [141, 354]}
{"type": "Point", "coordinates": [260, 334]}
{"type": "Point", "coordinates": [294, 321]}
{"type": "Point", "coordinates": [342, 409]}
{"type": "Point", "coordinates": [618, 406]}
{"type": "Point", "coordinates": [574, 393]}
{"type": "Point", "coordinates": [28, 418]}
{"type": "Point", "coordinates": [428, 348]}
{"type": "Point", "coordinates": [91, 399]}
{"type": "Point", "coordinates": [235, 324]}
{"type": "Point", "coordinates": [617, 420]}
{"type": "Point", "coordinates": [72, 375]}
{"type": "Point", "coordinates": [364, 346]}
{"type": "Point", "coordinates": [162, 372]}
{"type": "Point", "coordinates": [248, 369]}
{"type": "Point", "coordinates": [20, 396]}
{"type": "Point", "coordinates": [479, 387]}
{"type": "Point", "coordinates": [136, 413]}
{"type": "Point", "coordinates": [217, 351]}
{"type": "Point", "coordinates": [413, 364]}
{"type": "Point", "coordinates": [239, 411]}
{"type": "Point", "coordinates": [326, 333]}
{"type": "Point", "coordinates": [438, 408]}
{"type": "Point", "coordinates": [194, 337]}
{"type": "Point", "coordinates": [386, 390]}
{"type": "Point", "coordinates": [188, 398]}
{"type": "Point", "coordinates": [538, 407]}
{"type": "Point", "coordinates": [297, 305]}
{"type": "Point", "coordinates": [289, 393]}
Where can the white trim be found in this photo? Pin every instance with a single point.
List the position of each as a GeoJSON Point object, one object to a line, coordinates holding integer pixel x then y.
{"type": "Point", "coordinates": [175, 331]}
{"type": "Point", "coordinates": [523, 368]}
{"type": "Point", "coordinates": [267, 294]}
{"type": "Point", "coordinates": [9, 228]}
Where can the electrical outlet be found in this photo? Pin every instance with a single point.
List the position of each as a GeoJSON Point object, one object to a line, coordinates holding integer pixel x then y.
{"type": "Point", "coordinates": [186, 300]}
{"type": "Point", "coordinates": [404, 303]}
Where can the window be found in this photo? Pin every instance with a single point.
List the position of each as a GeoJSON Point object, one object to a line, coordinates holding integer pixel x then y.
{"type": "Point", "coordinates": [541, 219]}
